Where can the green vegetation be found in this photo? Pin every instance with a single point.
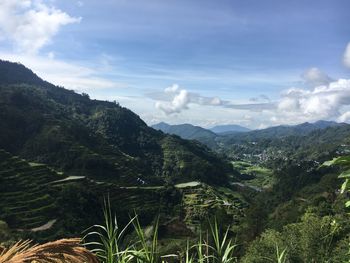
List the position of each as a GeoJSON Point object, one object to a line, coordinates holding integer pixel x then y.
{"type": "Point", "coordinates": [254, 175]}
{"type": "Point", "coordinates": [187, 131]}
{"type": "Point", "coordinates": [47, 124]}
{"type": "Point", "coordinates": [314, 239]}
{"type": "Point", "coordinates": [272, 195]}
{"type": "Point", "coordinates": [144, 247]}
{"type": "Point", "coordinates": [25, 200]}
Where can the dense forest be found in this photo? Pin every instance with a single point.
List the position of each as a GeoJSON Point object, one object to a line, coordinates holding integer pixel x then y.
{"type": "Point", "coordinates": [68, 162]}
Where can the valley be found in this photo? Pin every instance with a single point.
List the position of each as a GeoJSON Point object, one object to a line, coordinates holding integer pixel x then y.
{"type": "Point", "coordinates": [63, 154]}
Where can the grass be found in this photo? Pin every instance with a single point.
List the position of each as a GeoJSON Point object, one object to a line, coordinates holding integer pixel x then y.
{"type": "Point", "coordinates": [108, 243]}
{"type": "Point", "coordinates": [108, 238]}
{"type": "Point", "coordinates": [262, 177]}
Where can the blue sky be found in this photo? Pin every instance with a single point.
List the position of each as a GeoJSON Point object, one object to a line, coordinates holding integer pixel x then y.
{"type": "Point", "coordinates": [249, 62]}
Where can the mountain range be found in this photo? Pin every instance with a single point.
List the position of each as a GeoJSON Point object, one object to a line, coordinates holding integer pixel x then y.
{"type": "Point", "coordinates": [230, 134]}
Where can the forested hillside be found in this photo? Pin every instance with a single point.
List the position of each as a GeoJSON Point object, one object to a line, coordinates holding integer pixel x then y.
{"type": "Point", "coordinates": [67, 153]}
{"type": "Point", "coordinates": [49, 124]}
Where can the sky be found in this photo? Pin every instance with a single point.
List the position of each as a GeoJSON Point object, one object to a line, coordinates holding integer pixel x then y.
{"type": "Point", "coordinates": [205, 62]}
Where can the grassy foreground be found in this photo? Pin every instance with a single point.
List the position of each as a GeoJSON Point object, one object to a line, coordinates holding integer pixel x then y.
{"type": "Point", "coordinates": [108, 243]}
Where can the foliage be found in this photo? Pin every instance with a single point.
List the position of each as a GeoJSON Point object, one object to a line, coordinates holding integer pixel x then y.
{"type": "Point", "coordinates": [108, 243]}
{"type": "Point", "coordinates": [311, 240]}
{"type": "Point", "coordinates": [146, 247]}
{"type": "Point", "coordinates": [223, 248]}
{"type": "Point", "coordinates": [108, 247]}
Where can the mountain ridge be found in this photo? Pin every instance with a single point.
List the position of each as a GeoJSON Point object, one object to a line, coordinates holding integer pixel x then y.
{"type": "Point", "coordinates": [229, 128]}
{"type": "Point", "coordinates": [46, 123]}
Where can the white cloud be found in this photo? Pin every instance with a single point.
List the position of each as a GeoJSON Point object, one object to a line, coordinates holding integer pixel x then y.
{"type": "Point", "coordinates": [174, 100]}
{"type": "Point", "coordinates": [172, 89]}
{"type": "Point", "coordinates": [326, 102]}
{"type": "Point", "coordinates": [315, 77]}
{"type": "Point", "coordinates": [345, 117]}
{"type": "Point", "coordinates": [322, 102]}
{"type": "Point", "coordinates": [346, 58]}
{"type": "Point", "coordinates": [51, 55]}
{"type": "Point", "coordinates": [31, 24]}
{"type": "Point", "coordinates": [179, 102]}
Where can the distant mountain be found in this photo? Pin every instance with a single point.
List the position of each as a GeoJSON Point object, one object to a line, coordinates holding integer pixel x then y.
{"type": "Point", "coordinates": [302, 129]}
{"type": "Point", "coordinates": [306, 141]}
{"type": "Point", "coordinates": [230, 128]}
{"type": "Point", "coordinates": [325, 124]}
{"type": "Point", "coordinates": [186, 131]}
{"type": "Point", "coordinates": [226, 138]}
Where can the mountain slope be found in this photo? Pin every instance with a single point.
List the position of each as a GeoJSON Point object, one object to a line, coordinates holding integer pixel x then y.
{"type": "Point", "coordinates": [319, 144]}
{"type": "Point", "coordinates": [100, 139]}
{"type": "Point", "coordinates": [230, 128]}
{"type": "Point", "coordinates": [185, 131]}
{"type": "Point", "coordinates": [284, 131]}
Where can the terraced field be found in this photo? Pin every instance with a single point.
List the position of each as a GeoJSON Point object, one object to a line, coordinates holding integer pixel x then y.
{"type": "Point", "coordinates": [25, 199]}
{"type": "Point", "coordinates": [254, 176]}
{"type": "Point", "coordinates": [201, 201]}
{"type": "Point", "coordinates": [28, 193]}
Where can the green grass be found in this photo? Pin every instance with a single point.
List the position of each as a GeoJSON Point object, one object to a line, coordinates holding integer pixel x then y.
{"type": "Point", "coordinates": [108, 243]}
{"type": "Point", "coordinates": [262, 177]}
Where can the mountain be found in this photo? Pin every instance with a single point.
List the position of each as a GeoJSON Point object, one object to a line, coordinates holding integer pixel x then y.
{"type": "Point", "coordinates": [62, 153]}
{"type": "Point", "coordinates": [307, 141]}
{"type": "Point", "coordinates": [187, 131]}
{"type": "Point", "coordinates": [99, 139]}
{"type": "Point", "coordinates": [230, 128]}
{"type": "Point", "coordinates": [285, 130]}
{"type": "Point", "coordinates": [225, 140]}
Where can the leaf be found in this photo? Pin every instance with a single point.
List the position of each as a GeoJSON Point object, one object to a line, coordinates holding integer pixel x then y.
{"type": "Point", "coordinates": [345, 174]}
{"type": "Point", "coordinates": [344, 186]}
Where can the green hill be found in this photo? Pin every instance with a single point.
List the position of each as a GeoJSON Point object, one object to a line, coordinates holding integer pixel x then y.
{"type": "Point", "coordinates": [188, 131]}
{"type": "Point", "coordinates": [62, 153]}
{"type": "Point", "coordinates": [49, 124]}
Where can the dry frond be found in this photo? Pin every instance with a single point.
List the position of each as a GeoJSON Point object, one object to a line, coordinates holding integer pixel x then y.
{"type": "Point", "coordinates": [64, 250]}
